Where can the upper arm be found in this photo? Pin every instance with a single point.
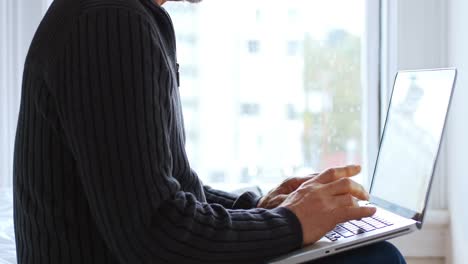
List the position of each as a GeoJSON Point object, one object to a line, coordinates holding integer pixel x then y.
{"type": "Point", "coordinates": [114, 106]}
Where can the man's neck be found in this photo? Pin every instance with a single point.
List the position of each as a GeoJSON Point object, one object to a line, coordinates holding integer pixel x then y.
{"type": "Point", "coordinates": [160, 2]}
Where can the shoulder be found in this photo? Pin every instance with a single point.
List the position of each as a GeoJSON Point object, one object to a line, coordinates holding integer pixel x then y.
{"type": "Point", "coordinates": [63, 15]}
{"type": "Point", "coordinates": [133, 6]}
{"type": "Point", "coordinates": [63, 19]}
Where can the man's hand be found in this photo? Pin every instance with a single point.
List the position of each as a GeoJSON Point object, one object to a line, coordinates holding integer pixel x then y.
{"type": "Point", "coordinates": [326, 200]}
{"type": "Point", "coordinates": [276, 196]}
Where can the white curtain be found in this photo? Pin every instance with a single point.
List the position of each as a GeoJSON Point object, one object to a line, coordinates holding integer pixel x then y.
{"type": "Point", "coordinates": [18, 22]}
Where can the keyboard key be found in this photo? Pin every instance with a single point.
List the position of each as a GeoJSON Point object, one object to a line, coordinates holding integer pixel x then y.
{"type": "Point", "coordinates": [352, 228]}
{"type": "Point", "coordinates": [355, 227]}
{"type": "Point", "coordinates": [363, 225]}
{"type": "Point", "coordinates": [358, 223]}
{"type": "Point", "coordinates": [343, 231]}
{"type": "Point", "coordinates": [374, 223]}
{"type": "Point", "coordinates": [332, 236]}
{"type": "Point", "coordinates": [386, 222]}
{"type": "Point", "coordinates": [368, 228]}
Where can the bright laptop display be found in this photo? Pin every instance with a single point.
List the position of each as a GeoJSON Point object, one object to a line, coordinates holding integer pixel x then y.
{"type": "Point", "coordinates": [410, 143]}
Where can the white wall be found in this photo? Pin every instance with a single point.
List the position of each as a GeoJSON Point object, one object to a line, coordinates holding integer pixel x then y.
{"type": "Point", "coordinates": [457, 144]}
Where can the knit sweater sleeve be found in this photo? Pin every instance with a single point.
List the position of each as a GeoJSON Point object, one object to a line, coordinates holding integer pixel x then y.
{"type": "Point", "coordinates": [114, 103]}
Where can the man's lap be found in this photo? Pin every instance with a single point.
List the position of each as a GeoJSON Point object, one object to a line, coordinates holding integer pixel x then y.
{"type": "Point", "coordinates": [382, 253]}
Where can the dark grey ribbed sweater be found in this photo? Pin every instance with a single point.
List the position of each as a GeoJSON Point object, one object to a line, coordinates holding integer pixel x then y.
{"type": "Point", "coordinates": [100, 173]}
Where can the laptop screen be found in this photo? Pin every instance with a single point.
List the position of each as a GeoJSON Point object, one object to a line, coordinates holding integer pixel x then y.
{"type": "Point", "coordinates": [411, 138]}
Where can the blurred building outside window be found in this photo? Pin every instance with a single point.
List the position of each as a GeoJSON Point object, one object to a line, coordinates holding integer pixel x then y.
{"type": "Point", "coordinates": [292, 109]}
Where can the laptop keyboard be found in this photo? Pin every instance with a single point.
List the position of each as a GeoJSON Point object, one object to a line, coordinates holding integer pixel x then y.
{"type": "Point", "coordinates": [354, 227]}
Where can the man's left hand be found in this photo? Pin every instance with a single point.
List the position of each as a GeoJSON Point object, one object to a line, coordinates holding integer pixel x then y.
{"type": "Point", "coordinates": [276, 196]}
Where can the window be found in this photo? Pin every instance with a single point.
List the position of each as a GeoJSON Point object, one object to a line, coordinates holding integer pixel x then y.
{"type": "Point", "coordinates": [253, 46]}
{"type": "Point", "coordinates": [293, 47]}
{"type": "Point", "coordinates": [250, 109]}
{"type": "Point", "coordinates": [297, 108]}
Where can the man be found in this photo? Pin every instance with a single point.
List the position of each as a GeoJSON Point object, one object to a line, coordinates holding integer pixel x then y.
{"type": "Point", "coordinates": [101, 174]}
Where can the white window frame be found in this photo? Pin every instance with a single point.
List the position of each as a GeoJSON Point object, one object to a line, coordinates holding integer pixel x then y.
{"type": "Point", "coordinates": [371, 86]}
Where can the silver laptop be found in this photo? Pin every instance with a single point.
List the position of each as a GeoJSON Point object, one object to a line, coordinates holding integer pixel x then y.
{"type": "Point", "coordinates": [404, 168]}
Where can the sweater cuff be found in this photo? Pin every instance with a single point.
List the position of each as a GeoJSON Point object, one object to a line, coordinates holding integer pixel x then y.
{"type": "Point", "coordinates": [247, 200]}
{"type": "Point", "coordinates": [294, 223]}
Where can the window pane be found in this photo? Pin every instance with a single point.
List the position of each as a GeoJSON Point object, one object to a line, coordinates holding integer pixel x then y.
{"type": "Point", "coordinates": [277, 90]}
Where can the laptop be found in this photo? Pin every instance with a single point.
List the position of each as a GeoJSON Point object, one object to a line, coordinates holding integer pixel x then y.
{"type": "Point", "coordinates": [404, 168]}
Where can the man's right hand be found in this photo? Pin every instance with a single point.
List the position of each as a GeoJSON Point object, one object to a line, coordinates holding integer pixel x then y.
{"type": "Point", "coordinates": [327, 200]}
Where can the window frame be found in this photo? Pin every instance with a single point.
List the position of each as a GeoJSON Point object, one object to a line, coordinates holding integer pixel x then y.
{"type": "Point", "coordinates": [372, 86]}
